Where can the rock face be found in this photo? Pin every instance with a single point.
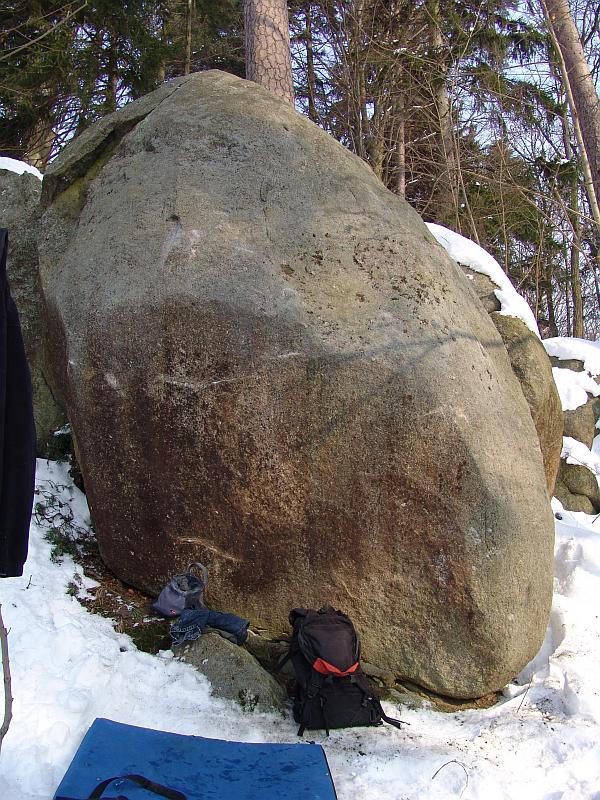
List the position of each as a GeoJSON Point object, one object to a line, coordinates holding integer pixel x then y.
{"type": "Point", "coordinates": [577, 488]}
{"type": "Point", "coordinates": [233, 672]}
{"type": "Point", "coordinates": [272, 367]}
{"type": "Point", "coordinates": [532, 367]}
{"type": "Point", "coordinates": [580, 423]}
{"type": "Point", "coordinates": [19, 212]}
{"type": "Point", "coordinates": [576, 485]}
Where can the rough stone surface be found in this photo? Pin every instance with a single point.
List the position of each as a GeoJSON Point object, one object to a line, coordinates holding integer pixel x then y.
{"type": "Point", "coordinates": [577, 488]}
{"type": "Point", "coordinates": [567, 363]}
{"type": "Point", "coordinates": [532, 367]}
{"type": "Point", "coordinates": [20, 213]}
{"type": "Point", "coordinates": [271, 365]}
{"type": "Point", "coordinates": [233, 672]}
{"type": "Point", "coordinates": [580, 423]}
{"type": "Point", "coordinates": [267, 652]}
{"type": "Point", "coordinates": [485, 289]}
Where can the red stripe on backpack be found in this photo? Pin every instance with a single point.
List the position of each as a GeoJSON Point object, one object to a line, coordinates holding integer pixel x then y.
{"type": "Point", "coordinates": [325, 668]}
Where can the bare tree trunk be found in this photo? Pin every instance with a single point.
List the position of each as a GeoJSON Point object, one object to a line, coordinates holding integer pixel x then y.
{"type": "Point", "coordinates": [586, 104]}
{"type": "Point", "coordinates": [39, 146]}
{"type": "Point", "coordinates": [189, 14]}
{"type": "Point", "coordinates": [448, 195]}
{"type": "Point", "coordinates": [552, 326]}
{"type": "Point", "coordinates": [112, 80]}
{"type": "Point", "coordinates": [357, 97]}
{"type": "Point", "coordinates": [310, 65]}
{"type": "Point", "coordinates": [574, 259]}
{"type": "Point", "coordinates": [6, 680]}
{"type": "Point", "coordinates": [400, 147]}
{"type": "Point", "coordinates": [596, 282]}
{"type": "Point", "coordinates": [268, 58]}
{"type": "Point", "coordinates": [375, 143]}
{"type": "Point", "coordinates": [576, 283]}
{"type": "Point", "coordinates": [575, 247]}
{"type": "Point", "coordinates": [568, 304]}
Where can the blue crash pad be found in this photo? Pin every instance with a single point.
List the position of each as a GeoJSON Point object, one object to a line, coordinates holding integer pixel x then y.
{"type": "Point", "coordinates": [203, 769]}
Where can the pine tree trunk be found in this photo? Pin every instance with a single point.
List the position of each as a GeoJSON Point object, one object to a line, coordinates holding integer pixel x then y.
{"type": "Point", "coordinates": [568, 303]}
{"type": "Point", "coordinates": [112, 81]}
{"type": "Point", "coordinates": [552, 326]}
{"type": "Point", "coordinates": [585, 97]}
{"type": "Point", "coordinates": [596, 282]}
{"type": "Point", "coordinates": [310, 65]}
{"type": "Point", "coordinates": [575, 247]}
{"type": "Point", "coordinates": [575, 266]}
{"type": "Point", "coordinates": [189, 13]}
{"type": "Point", "coordinates": [357, 90]}
{"type": "Point", "coordinates": [40, 144]}
{"type": "Point", "coordinates": [448, 193]}
{"type": "Point", "coordinates": [268, 58]}
{"type": "Point", "coordinates": [400, 187]}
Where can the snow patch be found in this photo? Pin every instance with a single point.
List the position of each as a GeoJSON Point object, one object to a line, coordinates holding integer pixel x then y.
{"type": "Point", "coordinates": [19, 167]}
{"type": "Point", "coordinates": [470, 254]}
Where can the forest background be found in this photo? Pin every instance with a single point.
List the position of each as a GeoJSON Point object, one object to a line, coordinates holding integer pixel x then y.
{"type": "Point", "coordinates": [475, 112]}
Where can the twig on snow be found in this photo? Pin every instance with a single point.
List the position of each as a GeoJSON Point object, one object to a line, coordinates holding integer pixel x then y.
{"type": "Point", "coordinates": [524, 696]}
{"type": "Point", "coordinates": [460, 764]}
{"type": "Point", "coordinates": [7, 684]}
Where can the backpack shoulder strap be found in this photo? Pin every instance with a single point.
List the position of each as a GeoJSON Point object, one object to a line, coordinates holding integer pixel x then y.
{"type": "Point", "coordinates": [312, 690]}
{"type": "Point", "coordinates": [366, 688]}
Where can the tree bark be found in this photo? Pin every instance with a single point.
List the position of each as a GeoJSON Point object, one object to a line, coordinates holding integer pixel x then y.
{"type": "Point", "coordinates": [575, 246]}
{"type": "Point", "coordinates": [310, 65]}
{"type": "Point", "coordinates": [112, 79]}
{"type": "Point", "coordinates": [39, 147]}
{"type": "Point", "coordinates": [400, 187]}
{"type": "Point", "coordinates": [268, 58]}
{"type": "Point", "coordinates": [585, 97]}
{"type": "Point", "coordinates": [189, 14]}
{"type": "Point", "coordinates": [552, 326]}
{"type": "Point", "coordinates": [448, 194]}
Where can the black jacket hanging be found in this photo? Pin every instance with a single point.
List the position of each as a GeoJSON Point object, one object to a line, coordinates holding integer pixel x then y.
{"type": "Point", "coordinates": [17, 433]}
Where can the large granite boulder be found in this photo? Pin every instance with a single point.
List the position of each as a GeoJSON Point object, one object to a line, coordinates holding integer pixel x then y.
{"type": "Point", "coordinates": [20, 213]}
{"type": "Point", "coordinates": [270, 365]}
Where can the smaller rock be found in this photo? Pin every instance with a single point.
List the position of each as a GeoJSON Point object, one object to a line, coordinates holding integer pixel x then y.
{"type": "Point", "coordinates": [577, 488]}
{"type": "Point", "coordinates": [406, 699]}
{"type": "Point", "coordinates": [266, 651]}
{"type": "Point", "coordinates": [371, 671]}
{"type": "Point", "coordinates": [567, 363]}
{"type": "Point", "coordinates": [233, 672]}
{"type": "Point", "coordinates": [19, 212]}
{"type": "Point", "coordinates": [580, 423]}
{"type": "Point", "coordinates": [531, 365]}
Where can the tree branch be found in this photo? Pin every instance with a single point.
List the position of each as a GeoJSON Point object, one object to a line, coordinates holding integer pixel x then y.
{"type": "Point", "coordinates": [7, 683]}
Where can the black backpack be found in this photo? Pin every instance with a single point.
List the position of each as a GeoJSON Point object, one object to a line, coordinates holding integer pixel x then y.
{"type": "Point", "coordinates": [331, 688]}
